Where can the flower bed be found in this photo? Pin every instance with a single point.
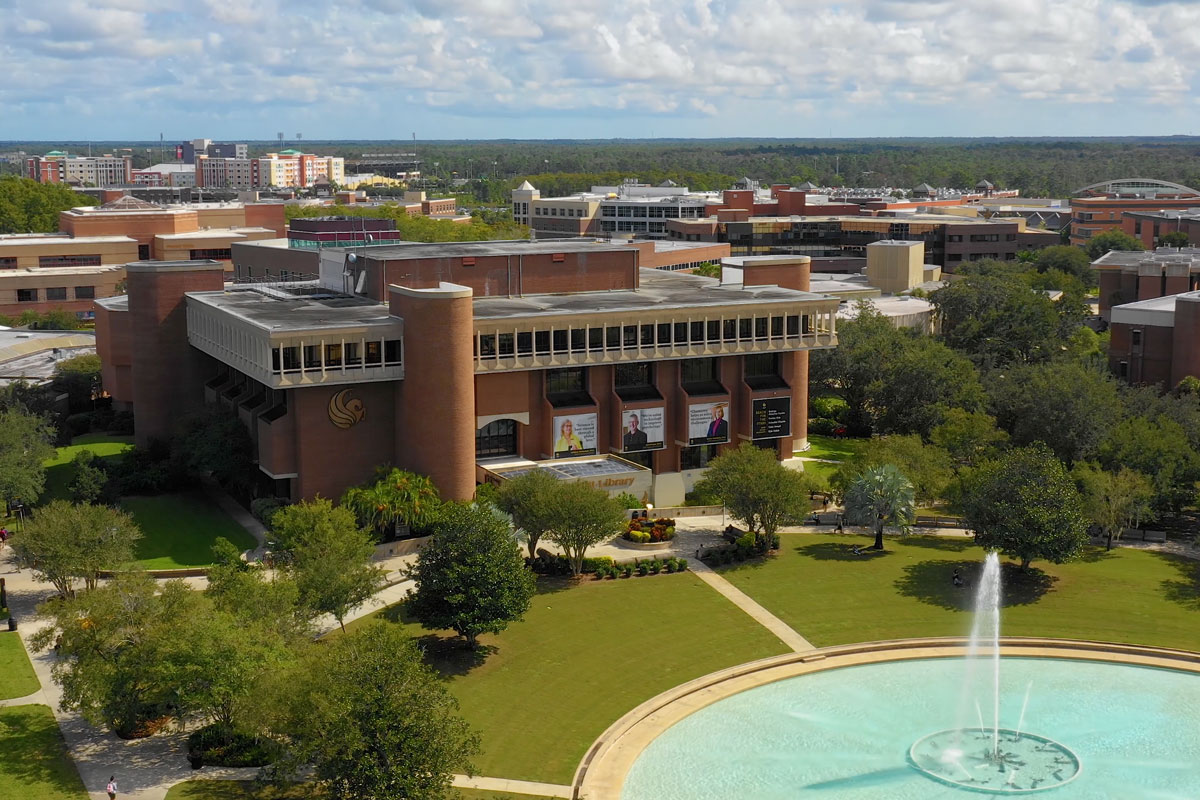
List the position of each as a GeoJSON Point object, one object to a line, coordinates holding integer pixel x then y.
{"type": "Point", "coordinates": [646, 531]}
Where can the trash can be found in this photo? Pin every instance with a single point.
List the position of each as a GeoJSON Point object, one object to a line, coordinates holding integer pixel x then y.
{"type": "Point", "coordinates": [12, 623]}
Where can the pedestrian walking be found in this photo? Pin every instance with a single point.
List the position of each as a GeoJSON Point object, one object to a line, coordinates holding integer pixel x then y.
{"type": "Point", "coordinates": [112, 787]}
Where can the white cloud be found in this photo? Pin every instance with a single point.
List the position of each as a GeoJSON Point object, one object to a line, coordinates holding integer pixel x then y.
{"type": "Point", "coordinates": [767, 64]}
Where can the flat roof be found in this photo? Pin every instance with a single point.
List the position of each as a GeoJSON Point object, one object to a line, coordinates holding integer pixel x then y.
{"type": "Point", "coordinates": [658, 290]}
{"type": "Point", "coordinates": [26, 239]}
{"type": "Point", "coordinates": [27, 272]}
{"type": "Point", "coordinates": [212, 233]}
{"type": "Point", "coordinates": [571, 468]}
{"type": "Point", "coordinates": [118, 302]}
{"type": "Point", "coordinates": [277, 310]}
{"type": "Point", "coordinates": [1155, 311]}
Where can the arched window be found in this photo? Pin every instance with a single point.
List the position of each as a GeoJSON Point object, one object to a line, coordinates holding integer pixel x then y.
{"type": "Point", "coordinates": [497, 438]}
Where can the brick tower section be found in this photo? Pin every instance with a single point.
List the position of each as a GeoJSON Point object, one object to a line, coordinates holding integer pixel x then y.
{"type": "Point", "coordinates": [789, 273]}
{"type": "Point", "coordinates": [168, 373]}
{"type": "Point", "coordinates": [435, 408]}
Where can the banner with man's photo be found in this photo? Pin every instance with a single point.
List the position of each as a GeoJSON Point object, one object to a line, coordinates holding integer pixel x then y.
{"type": "Point", "coordinates": [708, 423]}
{"type": "Point", "coordinates": [643, 429]}
{"type": "Point", "coordinates": [575, 435]}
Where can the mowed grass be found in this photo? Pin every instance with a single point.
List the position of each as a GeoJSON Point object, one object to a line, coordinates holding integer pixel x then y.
{"type": "Point", "coordinates": [245, 790]}
{"type": "Point", "coordinates": [179, 530]}
{"type": "Point", "coordinates": [17, 678]}
{"type": "Point", "coordinates": [60, 473]}
{"type": "Point", "coordinates": [582, 658]}
{"type": "Point", "coordinates": [820, 588]}
{"type": "Point", "coordinates": [34, 764]}
{"type": "Point", "coordinates": [833, 448]}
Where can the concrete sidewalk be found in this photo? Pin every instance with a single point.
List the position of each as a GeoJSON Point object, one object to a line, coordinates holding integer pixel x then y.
{"type": "Point", "coordinates": [784, 632]}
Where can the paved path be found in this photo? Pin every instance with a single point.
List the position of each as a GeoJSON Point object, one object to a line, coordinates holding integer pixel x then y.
{"type": "Point", "coordinates": [759, 614]}
{"type": "Point", "coordinates": [516, 787]}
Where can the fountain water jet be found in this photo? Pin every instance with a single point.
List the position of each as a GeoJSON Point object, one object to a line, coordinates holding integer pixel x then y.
{"type": "Point", "coordinates": [1043, 762]}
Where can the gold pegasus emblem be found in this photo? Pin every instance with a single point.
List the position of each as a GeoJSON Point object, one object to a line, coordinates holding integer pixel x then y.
{"type": "Point", "coordinates": [346, 413]}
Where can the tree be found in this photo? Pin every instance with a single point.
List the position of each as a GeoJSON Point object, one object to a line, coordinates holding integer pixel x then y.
{"type": "Point", "coordinates": [530, 499]}
{"type": "Point", "coordinates": [371, 719]}
{"type": "Point", "coordinates": [1066, 259]}
{"type": "Point", "coordinates": [470, 577]}
{"type": "Point", "coordinates": [924, 381]}
{"type": "Point", "coordinates": [132, 652]}
{"type": "Point", "coordinates": [708, 269]}
{"type": "Point", "coordinates": [24, 448]}
{"type": "Point", "coordinates": [27, 206]}
{"type": "Point", "coordinates": [214, 441]}
{"type": "Point", "coordinates": [1065, 405]}
{"type": "Point", "coordinates": [79, 377]}
{"type": "Point", "coordinates": [87, 485]}
{"type": "Point", "coordinates": [1102, 243]}
{"type": "Point", "coordinates": [396, 498]}
{"type": "Point", "coordinates": [997, 320]}
{"type": "Point", "coordinates": [857, 366]}
{"type": "Point", "coordinates": [583, 516]}
{"type": "Point", "coordinates": [927, 467]}
{"type": "Point", "coordinates": [881, 496]}
{"type": "Point", "coordinates": [968, 436]}
{"type": "Point", "coordinates": [1025, 505]}
{"type": "Point", "coordinates": [1173, 239]}
{"type": "Point", "coordinates": [1114, 500]}
{"type": "Point", "coordinates": [757, 490]}
{"type": "Point", "coordinates": [1157, 447]}
{"type": "Point", "coordinates": [329, 556]}
{"type": "Point", "coordinates": [64, 543]}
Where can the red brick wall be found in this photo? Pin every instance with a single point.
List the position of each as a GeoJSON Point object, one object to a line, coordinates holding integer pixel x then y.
{"type": "Point", "coordinates": [266, 215]}
{"type": "Point", "coordinates": [330, 459]}
{"type": "Point", "coordinates": [168, 373]}
{"type": "Point", "coordinates": [114, 345]}
{"type": "Point", "coordinates": [537, 273]}
{"type": "Point", "coordinates": [435, 403]}
{"type": "Point", "coordinates": [1184, 349]}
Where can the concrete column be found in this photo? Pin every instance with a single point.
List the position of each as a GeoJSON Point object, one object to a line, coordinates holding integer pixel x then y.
{"type": "Point", "coordinates": [435, 412]}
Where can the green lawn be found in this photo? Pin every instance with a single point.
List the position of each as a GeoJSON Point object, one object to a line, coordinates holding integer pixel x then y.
{"type": "Point", "coordinates": [834, 448]}
{"type": "Point", "coordinates": [34, 764]}
{"type": "Point", "coordinates": [16, 673]}
{"type": "Point", "coordinates": [821, 469]}
{"type": "Point", "coordinates": [831, 596]}
{"type": "Point", "coordinates": [583, 657]}
{"type": "Point", "coordinates": [178, 530]}
{"type": "Point", "coordinates": [244, 790]}
{"type": "Point", "coordinates": [59, 472]}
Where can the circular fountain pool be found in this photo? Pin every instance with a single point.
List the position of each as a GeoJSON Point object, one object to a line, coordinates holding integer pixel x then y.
{"type": "Point", "coordinates": [871, 731]}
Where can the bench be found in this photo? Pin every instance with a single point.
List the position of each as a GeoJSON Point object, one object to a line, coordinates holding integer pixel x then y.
{"type": "Point", "coordinates": [939, 522]}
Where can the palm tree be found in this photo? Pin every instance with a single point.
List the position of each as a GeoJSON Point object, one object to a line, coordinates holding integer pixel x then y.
{"type": "Point", "coordinates": [880, 496]}
{"type": "Point", "coordinates": [396, 497]}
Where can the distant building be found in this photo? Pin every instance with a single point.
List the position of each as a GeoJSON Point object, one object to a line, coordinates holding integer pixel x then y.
{"type": "Point", "coordinates": [288, 169]}
{"type": "Point", "coordinates": [178, 175]}
{"type": "Point", "coordinates": [313, 233]}
{"type": "Point", "coordinates": [58, 166]}
{"type": "Point", "coordinates": [187, 152]}
{"type": "Point", "coordinates": [1150, 226]}
{"type": "Point", "coordinates": [1101, 207]}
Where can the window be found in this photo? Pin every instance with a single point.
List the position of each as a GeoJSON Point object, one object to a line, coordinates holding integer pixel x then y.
{"type": "Point", "coordinates": [27, 295]}
{"type": "Point", "coordinates": [635, 381]}
{"type": "Point", "coordinates": [291, 358]}
{"type": "Point", "coordinates": [214, 253]}
{"type": "Point", "coordinates": [567, 387]}
{"type": "Point", "coordinates": [8, 262]}
{"type": "Point", "coordinates": [143, 252]}
{"type": "Point", "coordinates": [1135, 338]}
{"type": "Point", "coordinates": [373, 354]}
{"type": "Point", "coordinates": [487, 346]}
{"type": "Point", "coordinates": [69, 261]}
{"type": "Point", "coordinates": [761, 371]}
{"type": "Point", "coordinates": [85, 292]}
{"type": "Point", "coordinates": [497, 438]}
{"type": "Point", "coordinates": [506, 344]}
{"type": "Point", "coordinates": [56, 293]}
{"type": "Point", "coordinates": [391, 351]}
{"type": "Point", "coordinates": [1123, 370]}
{"type": "Point", "coordinates": [350, 354]}
{"type": "Point", "coordinates": [697, 457]}
{"type": "Point", "coordinates": [524, 343]}
{"type": "Point", "coordinates": [954, 237]}
{"type": "Point", "coordinates": [700, 376]}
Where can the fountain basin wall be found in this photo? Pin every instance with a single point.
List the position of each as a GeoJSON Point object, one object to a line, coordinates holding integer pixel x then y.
{"type": "Point", "coordinates": [605, 768]}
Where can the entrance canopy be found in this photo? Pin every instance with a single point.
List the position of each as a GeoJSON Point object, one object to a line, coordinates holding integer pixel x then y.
{"type": "Point", "coordinates": [611, 473]}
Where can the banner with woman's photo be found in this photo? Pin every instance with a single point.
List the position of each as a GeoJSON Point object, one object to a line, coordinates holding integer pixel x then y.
{"type": "Point", "coordinates": [708, 423]}
{"type": "Point", "coordinates": [575, 435]}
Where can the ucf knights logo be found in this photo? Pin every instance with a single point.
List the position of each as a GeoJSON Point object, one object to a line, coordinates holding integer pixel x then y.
{"type": "Point", "coordinates": [346, 412]}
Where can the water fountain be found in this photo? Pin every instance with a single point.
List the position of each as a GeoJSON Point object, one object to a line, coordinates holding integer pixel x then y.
{"type": "Point", "coordinates": [995, 760]}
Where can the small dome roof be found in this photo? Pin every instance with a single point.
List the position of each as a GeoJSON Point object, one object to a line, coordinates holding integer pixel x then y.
{"type": "Point", "coordinates": [525, 186]}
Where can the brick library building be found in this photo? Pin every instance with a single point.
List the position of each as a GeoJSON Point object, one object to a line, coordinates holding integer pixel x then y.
{"type": "Point", "coordinates": [474, 362]}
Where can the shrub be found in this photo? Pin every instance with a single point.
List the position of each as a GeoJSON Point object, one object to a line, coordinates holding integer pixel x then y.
{"type": "Point", "coordinates": [218, 746]}
{"type": "Point", "coordinates": [625, 573]}
{"type": "Point", "coordinates": [824, 427]}
{"type": "Point", "coordinates": [828, 407]}
{"type": "Point", "coordinates": [122, 423]}
{"type": "Point", "coordinates": [594, 564]}
{"type": "Point", "coordinates": [642, 569]}
{"type": "Point", "coordinates": [263, 508]}
{"type": "Point", "coordinates": [701, 498]}
{"type": "Point", "coordinates": [655, 566]}
{"type": "Point", "coordinates": [78, 424]}
{"type": "Point", "coordinates": [628, 500]}
{"type": "Point", "coordinates": [681, 565]}
{"type": "Point", "coordinates": [643, 531]}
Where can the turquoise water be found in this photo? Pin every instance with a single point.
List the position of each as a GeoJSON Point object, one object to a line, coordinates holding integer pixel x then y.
{"type": "Point", "coordinates": [844, 733]}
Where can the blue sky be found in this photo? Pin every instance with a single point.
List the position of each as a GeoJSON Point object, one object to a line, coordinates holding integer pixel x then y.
{"type": "Point", "coordinates": [478, 69]}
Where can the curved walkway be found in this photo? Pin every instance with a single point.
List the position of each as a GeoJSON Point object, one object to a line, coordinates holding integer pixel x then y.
{"type": "Point", "coordinates": [602, 772]}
